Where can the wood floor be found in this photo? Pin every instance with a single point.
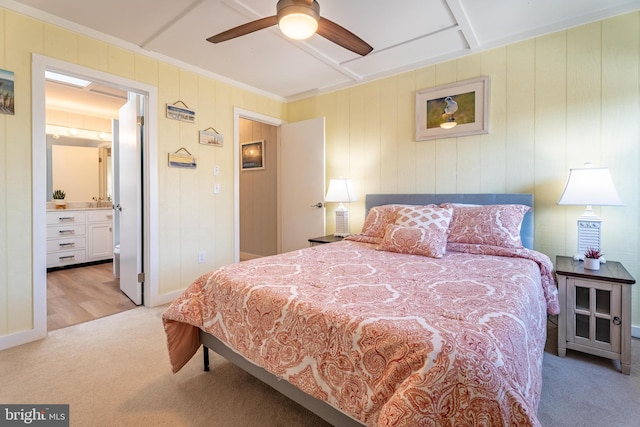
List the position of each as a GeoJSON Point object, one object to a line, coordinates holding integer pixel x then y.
{"type": "Point", "coordinates": [76, 295]}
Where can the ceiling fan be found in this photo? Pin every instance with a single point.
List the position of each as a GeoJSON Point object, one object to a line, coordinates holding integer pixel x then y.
{"type": "Point", "coordinates": [300, 19]}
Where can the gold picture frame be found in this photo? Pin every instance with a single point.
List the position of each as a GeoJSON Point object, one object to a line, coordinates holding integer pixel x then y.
{"type": "Point", "coordinates": [453, 110]}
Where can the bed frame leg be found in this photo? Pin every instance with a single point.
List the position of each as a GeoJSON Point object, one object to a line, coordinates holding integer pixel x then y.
{"type": "Point", "coordinates": [205, 358]}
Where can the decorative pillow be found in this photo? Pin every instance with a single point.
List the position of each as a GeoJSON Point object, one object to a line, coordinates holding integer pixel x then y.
{"type": "Point", "coordinates": [375, 224]}
{"type": "Point", "coordinates": [426, 241]}
{"type": "Point", "coordinates": [495, 225]}
{"type": "Point", "coordinates": [424, 216]}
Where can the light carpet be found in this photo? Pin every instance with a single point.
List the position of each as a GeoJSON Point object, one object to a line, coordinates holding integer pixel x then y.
{"type": "Point", "coordinates": [115, 371]}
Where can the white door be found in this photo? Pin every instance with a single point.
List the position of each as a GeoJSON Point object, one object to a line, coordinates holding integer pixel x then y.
{"type": "Point", "coordinates": [302, 182]}
{"type": "Point", "coordinates": [128, 199]}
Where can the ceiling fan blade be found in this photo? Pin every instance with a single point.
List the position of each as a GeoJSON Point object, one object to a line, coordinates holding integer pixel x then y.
{"type": "Point", "coordinates": [243, 29]}
{"type": "Point", "coordinates": [342, 37]}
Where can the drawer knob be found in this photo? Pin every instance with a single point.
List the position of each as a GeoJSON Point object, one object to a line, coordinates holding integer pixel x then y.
{"type": "Point", "coordinates": [66, 231]}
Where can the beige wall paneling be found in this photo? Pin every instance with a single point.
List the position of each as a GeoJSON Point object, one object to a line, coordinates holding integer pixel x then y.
{"type": "Point", "coordinates": [550, 159]}
{"type": "Point", "coordinates": [340, 143]}
{"type": "Point", "coordinates": [60, 43]}
{"type": "Point", "coordinates": [520, 117]}
{"type": "Point", "coordinates": [121, 62]}
{"type": "Point", "coordinates": [405, 133]}
{"type": "Point", "coordinates": [389, 169]}
{"type": "Point", "coordinates": [367, 179]}
{"type": "Point", "coordinates": [493, 154]}
{"type": "Point", "coordinates": [620, 136]}
{"type": "Point", "coordinates": [207, 157]}
{"type": "Point", "coordinates": [358, 149]}
{"type": "Point", "coordinates": [189, 190]}
{"type": "Point", "coordinates": [23, 36]}
{"type": "Point", "coordinates": [93, 53]}
{"type": "Point", "coordinates": [4, 204]}
{"type": "Point", "coordinates": [169, 182]}
{"type": "Point", "coordinates": [146, 70]}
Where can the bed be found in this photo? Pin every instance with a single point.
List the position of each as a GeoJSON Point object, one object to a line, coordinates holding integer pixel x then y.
{"type": "Point", "coordinates": [435, 314]}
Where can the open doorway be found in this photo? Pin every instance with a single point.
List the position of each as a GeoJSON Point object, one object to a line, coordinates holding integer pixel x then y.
{"type": "Point", "coordinates": [147, 181]}
{"type": "Point", "coordinates": [83, 280]}
{"type": "Point", "coordinates": [300, 178]}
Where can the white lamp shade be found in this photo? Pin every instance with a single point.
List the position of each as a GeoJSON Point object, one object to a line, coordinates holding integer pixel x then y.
{"type": "Point", "coordinates": [591, 187]}
{"type": "Point", "coordinates": [341, 190]}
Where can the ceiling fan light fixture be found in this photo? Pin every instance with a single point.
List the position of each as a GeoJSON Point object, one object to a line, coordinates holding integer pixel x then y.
{"type": "Point", "coordinates": [298, 26]}
{"type": "Point", "coordinates": [298, 20]}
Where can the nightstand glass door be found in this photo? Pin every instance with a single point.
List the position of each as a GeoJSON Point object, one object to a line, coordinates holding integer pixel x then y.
{"type": "Point", "coordinates": [596, 320]}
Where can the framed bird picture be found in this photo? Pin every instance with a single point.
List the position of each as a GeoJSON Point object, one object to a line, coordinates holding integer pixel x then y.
{"type": "Point", "coordinates": [453, 110]}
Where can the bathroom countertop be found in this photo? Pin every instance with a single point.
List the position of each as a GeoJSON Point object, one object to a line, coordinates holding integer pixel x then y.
{"type": "Point", "coordinates": [78, 209]}
{"type": "Point", "coordinates": [77, 206]}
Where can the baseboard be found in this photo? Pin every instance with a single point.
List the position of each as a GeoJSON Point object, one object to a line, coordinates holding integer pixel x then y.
{"type": "Point", "coordinates": [166, 298]}
{"type": "Point", "coordinates": [245, 256]}
{"type": "Point", "coordinates": [635, 331]}
{"type": "Point", "coordinates": [19, 338]}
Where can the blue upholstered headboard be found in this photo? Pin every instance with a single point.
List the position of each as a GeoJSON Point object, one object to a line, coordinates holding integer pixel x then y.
{"type": "Point", "coordinates": [526, 231]}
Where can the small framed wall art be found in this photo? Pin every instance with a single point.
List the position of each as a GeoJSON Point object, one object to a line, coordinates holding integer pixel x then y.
{"type": "Point", "coordinates": [252, 154]}
{"type": "Point", "coordinates": [456, 109]}
{"type": "Point", "coordinates": [7, 97]}
{"type": "Point", "coordinates": [211, 137]}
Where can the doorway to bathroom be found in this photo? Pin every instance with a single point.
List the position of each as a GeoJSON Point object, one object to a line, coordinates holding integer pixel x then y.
{"type": "Point", "coordinates": [83, 230]}
{"type": "Point", "coordinates": [142, 180]}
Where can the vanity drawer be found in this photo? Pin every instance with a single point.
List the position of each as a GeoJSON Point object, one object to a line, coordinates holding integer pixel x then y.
{"type": "Point", "coordinates": [100, 216]}
{"type": "Point", "coordinates": [68, 217]}
{"type": "Point", "coordinates": [66, 244]}
{"type": "Point", "coordinates": [59, 259]}
{"type": "Point", "coordinates": [57, 231]}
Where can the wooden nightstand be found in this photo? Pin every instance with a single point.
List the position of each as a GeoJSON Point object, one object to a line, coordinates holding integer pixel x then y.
{"type": "Point", "coordinates": [324, 239]}
{"type": "Point", "coordinates": [595, 310]}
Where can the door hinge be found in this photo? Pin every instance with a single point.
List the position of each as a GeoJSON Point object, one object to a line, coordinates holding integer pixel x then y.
{"type": "Point", "coordinates": [140, 277]}
{"type": "Point", "coordinates": [140, 120]}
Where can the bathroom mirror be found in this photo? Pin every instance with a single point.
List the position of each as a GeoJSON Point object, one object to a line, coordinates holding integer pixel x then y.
{"type": "Point", "coordinates": [80, 167]}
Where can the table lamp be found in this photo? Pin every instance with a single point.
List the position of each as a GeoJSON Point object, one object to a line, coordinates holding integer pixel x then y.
{"type": "Point", "coordinates": [341, 191]}
{"type": "Point", "coordinates": [590, 187]}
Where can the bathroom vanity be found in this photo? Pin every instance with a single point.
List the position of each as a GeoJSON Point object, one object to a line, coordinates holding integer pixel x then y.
{"type": "Point", "coordinates": [76, 236]}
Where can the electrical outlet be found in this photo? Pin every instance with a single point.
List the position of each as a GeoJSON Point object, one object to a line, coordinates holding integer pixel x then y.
{"type": "Point", "coordinates": [216, 170]}
{"type": "Point", "coordinates": [216, 188]}
{"type": "Point", "coordinates": [200, 257]}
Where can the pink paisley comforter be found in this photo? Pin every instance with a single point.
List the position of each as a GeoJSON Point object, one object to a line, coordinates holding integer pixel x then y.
{"type": "Point", "coordinates": [387, 338]}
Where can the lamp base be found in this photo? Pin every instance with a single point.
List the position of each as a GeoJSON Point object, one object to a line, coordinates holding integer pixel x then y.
{"type": "Point", "coordinates": [342, 223]}
{"type": "Point", "coordinates": [588, 234]}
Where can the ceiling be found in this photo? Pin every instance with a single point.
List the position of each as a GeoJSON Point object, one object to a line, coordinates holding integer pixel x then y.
{"type": "Point", "coordinates": [405, 34]}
